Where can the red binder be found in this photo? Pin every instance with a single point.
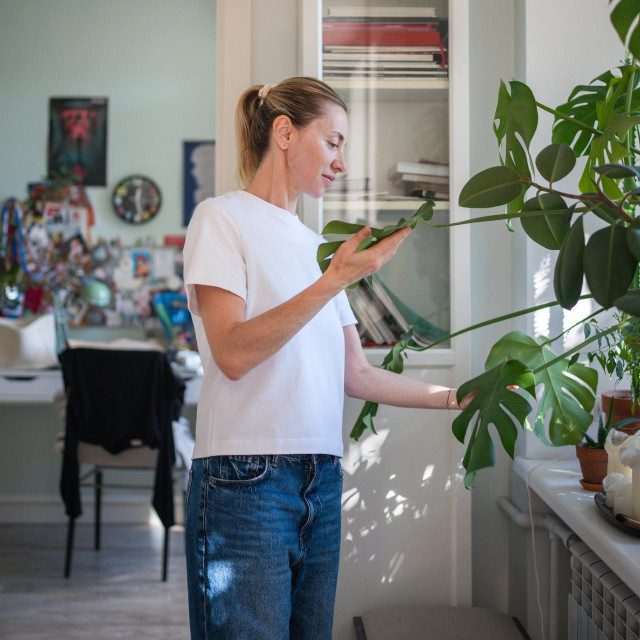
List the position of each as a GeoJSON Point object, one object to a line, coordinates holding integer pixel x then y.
{"type": "Point", "coordinates": [354, 34]}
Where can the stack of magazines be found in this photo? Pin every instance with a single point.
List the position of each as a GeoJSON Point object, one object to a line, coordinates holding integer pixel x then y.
{"type": "Point", "coordinates": [424, 179]}
{"type": "Point", "coordinates": [384, 320]}
{"type": "Point", "coordinates": [384, 42]}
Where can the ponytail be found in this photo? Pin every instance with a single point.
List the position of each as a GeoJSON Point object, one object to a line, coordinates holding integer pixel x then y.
{"type": "Point", "coordinates": [302, 99]}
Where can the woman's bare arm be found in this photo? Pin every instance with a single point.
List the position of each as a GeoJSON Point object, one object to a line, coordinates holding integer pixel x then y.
{"type": "Point", "coordinates": [364, 381]}
{"type": "Point", "coordinates": [238, 345]}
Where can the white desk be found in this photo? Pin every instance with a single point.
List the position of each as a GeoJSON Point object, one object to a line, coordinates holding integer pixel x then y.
{"type": "Point", "coordinates": [557, 483]}
{"type": "Point", "coordinates": [39, 387]}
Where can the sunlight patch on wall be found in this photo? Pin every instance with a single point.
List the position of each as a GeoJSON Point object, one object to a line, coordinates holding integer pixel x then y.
{"type": "Point", "coordinates": [541, 284]}
{"type": "Point", "coordinates": [366, 452]}
{"type": "Point", "coordinates": [569, 317]}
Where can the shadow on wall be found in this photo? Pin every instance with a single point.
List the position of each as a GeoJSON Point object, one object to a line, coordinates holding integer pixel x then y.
{"type": "Point", "coordinates": [397, 506]}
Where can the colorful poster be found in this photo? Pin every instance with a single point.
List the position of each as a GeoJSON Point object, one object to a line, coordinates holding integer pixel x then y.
{"type": "Point", "coordinates": [78, 139]}
{"type": "Point", "coordinates": [198, 174]}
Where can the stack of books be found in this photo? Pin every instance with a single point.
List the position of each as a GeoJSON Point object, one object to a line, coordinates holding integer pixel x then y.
{"type": "Point", "coordinates": [384, 320]}
{"type": "Point", "coordinates": [425, 179]}
{"type": "Point", "coordinates": [384, 42]}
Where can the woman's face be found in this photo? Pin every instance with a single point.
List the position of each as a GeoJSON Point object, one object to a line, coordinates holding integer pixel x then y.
{"type": "Point", "coordinates": [316, 152]}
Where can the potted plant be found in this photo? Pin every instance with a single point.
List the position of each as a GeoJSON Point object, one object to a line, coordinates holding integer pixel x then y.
{"type": "Point", "coordinates": [619, 357]}
{"type": "Point", "coordinates": [592, 455]}
{"type": "Point", "coordinates": [601, 121]}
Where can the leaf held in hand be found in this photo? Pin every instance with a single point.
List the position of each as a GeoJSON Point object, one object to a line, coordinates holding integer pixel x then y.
{"type": "Point", "coordinates": [494, 404]}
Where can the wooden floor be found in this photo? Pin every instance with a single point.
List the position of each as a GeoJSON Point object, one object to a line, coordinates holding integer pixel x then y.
{"type": "Point", "coordinates": [112, 593]}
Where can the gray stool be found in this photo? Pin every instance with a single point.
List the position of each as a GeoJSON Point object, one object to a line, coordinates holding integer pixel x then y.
{"type": "Point", "coordinates": [422, 622]}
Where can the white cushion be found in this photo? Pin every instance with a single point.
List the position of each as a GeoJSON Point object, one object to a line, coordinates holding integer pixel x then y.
{"type": "Point", "coordinates": [143, 457]}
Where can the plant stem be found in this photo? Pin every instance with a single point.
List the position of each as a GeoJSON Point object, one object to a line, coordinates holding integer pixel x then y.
{"type": "Point", "coordinates": [508, 316]}
{"type": "Point", "coordinates": [578, 123]}
{"type": "Point", "coordinates": [582, 197]}
{"type": "Point", "coordinates": [592, 315]}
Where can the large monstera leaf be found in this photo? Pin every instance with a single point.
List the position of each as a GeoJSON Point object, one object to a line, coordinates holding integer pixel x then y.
{"type": "Point", "coordinates": [515, 122]}
{"type": "Point", "coordinates": [569, 388]}
{"type": "Point", "coordinates": [495, 404]}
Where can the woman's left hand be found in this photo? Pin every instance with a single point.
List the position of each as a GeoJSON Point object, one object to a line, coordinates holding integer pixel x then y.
{"type": "Point", "coordinates": [467, 399]}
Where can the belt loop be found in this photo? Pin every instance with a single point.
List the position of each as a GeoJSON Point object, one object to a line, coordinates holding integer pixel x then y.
{"type": "Point", "coordinates": [274, 461]}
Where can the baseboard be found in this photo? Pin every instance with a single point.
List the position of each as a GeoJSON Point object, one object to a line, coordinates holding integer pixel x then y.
{"type": "Point", "coordinates": [49, 509]}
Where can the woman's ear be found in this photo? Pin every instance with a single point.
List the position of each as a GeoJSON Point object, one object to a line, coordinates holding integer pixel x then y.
{"type": "Point", "coordinates": [282, 131]}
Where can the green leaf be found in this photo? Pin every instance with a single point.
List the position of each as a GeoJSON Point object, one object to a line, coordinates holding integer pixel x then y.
{"type": "Point", "coordinates": [547, 230]}
{"type": "Point", "coordinates": [603, 210]}
{"type": "Point", "coordinates": [618, 171]}
{"type": "Point", "coordinates": [622, 17]}
{"type": "Point", "coordinates": [490, 188]}
{"type": "Point", "coordinates": [629, 302]}
{"type": "Point", "coordinates": [515, 122]}
{"type": "Point", "coordinates": [327, 249]}
{"type": "Point", "coordinates": [567, 401]}
{"type": "Point", "coordinates": [633, 240]}
{"type": "Point", "coordinates": [567, 278]}
{"type": "Point", "coordinates": [341, 228]}
{"type": "Point", "coordinates": [556, 161]}
{"type": "Point", "coordinates": [609, 266]}
{"type": "Point", "coordinates": [598, 123]}
{"type": "Point", "coordinates": [495, 405]}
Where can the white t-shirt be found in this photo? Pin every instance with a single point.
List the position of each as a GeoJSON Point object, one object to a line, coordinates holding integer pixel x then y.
{"type": "Point", "coordinates": [293, 401]}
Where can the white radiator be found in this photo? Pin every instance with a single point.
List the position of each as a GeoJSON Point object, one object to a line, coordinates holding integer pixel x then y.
{"type": "Point", "coordinates": [601, 606]}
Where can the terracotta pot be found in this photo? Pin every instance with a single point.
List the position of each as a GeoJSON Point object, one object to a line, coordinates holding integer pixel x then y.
{"type": "Point", "coordinates": [593, 464]}
{"type": "Point", "coordinates": [621, 409]}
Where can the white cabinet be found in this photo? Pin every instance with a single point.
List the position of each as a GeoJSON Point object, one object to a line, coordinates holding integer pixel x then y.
{"type": "Point", "coordinates": [407, 518]}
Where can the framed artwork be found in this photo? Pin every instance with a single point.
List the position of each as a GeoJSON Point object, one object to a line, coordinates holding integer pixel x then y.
{"type": "Point", "coordinates": [198, 174]}
{"type": "Point", "coordinates": [78, 139]}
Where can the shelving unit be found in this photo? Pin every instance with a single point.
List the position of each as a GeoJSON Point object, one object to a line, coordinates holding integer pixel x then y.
{"type": "Point", "coordinates": [392, 119]}
{"type": "Point", "coordinates": [407, 434]}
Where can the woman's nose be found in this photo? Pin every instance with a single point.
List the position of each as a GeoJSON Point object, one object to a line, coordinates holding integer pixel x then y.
{"type": "Point", "coordinates": [339, 165]}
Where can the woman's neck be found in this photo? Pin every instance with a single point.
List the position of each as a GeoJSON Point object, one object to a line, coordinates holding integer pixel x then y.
{"type": "Point", "coordinates": [271, 185]}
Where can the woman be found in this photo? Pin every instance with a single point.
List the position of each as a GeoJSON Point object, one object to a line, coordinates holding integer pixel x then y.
{"type": "Point", "coordinates": [263, 505]}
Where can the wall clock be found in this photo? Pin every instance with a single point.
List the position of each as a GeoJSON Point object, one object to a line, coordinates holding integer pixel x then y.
{"type": "Point", "coordinates": [136, 199]}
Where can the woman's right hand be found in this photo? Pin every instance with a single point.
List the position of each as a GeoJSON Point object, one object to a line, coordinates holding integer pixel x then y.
{"type": "Point", "coordinates": [349, 265]}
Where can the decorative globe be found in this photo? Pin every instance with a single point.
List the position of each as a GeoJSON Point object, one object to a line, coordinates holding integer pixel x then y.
{"type": "Point", "coordinates": [96, 293]}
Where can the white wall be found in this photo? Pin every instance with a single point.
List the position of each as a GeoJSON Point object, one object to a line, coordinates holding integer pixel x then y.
{"type": "Point", "coordinates": [153, 59]}
{"type": "Point", "coordinates": [491, 59]}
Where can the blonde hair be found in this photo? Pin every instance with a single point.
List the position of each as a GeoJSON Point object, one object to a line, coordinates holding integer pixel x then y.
{"type": "Point", "coordinates": [302, 99]}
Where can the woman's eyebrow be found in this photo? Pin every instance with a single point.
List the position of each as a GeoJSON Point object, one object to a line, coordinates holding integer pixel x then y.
{"type": "Point", "coordinates": [340, 136]}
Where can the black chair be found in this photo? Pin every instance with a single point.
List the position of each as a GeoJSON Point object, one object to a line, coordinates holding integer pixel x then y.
{"type": "Point", "coordinates": [120, 408]}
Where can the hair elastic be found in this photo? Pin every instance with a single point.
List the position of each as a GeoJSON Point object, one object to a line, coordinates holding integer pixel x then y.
{"type": "Point", "coordinates": [264, 91]}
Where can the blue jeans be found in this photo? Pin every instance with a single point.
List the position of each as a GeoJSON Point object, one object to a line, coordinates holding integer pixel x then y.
{"type": "Point", "coordinates": [262, 546]}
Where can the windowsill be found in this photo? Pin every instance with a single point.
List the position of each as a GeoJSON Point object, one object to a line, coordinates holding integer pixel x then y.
{"type": "Point", "coordinates": [556, 482]}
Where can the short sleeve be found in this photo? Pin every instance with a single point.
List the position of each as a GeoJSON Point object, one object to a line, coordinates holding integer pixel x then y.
{"type": "Point", "coordinates": [213, 253]}
{"type": "Point", "coordinates": [347, 316]}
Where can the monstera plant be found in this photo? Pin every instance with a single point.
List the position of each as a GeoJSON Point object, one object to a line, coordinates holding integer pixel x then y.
{"type": "Point", "coordinates": [601, 121]}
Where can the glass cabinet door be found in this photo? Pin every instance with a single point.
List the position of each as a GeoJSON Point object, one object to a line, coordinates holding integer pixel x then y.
{"type": "Point", "coordinates": [389, 61]}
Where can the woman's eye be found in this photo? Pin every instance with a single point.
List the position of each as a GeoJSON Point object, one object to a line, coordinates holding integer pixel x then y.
{"type": "Point", "coordinates": [332, 145]}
